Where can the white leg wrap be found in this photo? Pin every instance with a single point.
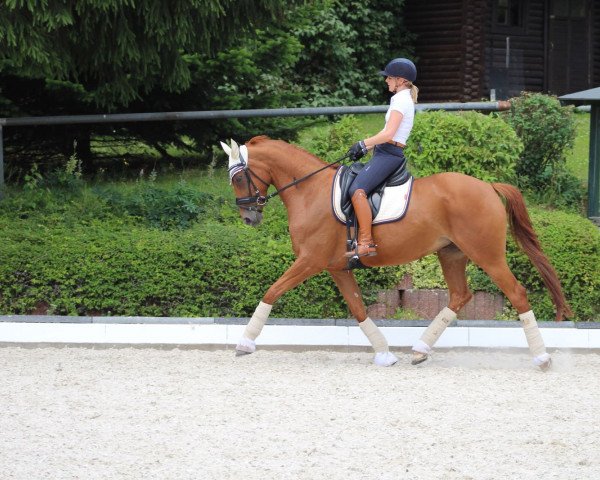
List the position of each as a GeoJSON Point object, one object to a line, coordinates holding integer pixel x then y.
{"type": "Point", "coordinates": [374, 335]}
{"type": "Point", "coordinates": [534, 337]}
{"type": "Point", "coordinates": [258, 320]}
{"type": "Point", "coordinates": [434, 330]}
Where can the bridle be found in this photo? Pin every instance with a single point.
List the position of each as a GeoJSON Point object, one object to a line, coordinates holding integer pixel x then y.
{"type": "Point", "coordinates": [252, 202]}
{"type": "Point", "coordinates": [256, 202]}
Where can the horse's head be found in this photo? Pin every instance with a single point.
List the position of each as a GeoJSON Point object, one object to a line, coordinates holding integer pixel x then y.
{"type": "Point", "coordinates": [250, 188]}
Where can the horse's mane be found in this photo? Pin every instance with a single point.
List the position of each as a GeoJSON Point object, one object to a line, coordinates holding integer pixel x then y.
{"type": "Point", "coordinates": [264, 138]}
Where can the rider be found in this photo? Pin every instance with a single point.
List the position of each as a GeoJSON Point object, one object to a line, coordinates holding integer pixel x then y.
{"type": "Point", "coordinates": [388, 155]}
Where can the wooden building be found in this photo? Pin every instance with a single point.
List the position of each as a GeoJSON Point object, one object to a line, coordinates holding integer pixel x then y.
{"type": "Point", "coordinates": [469, 50]}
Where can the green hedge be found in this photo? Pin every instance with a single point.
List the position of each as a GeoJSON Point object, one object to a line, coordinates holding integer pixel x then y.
{"type": "Point", "coordinates": [115, 268]}
{"type": "Point", "coordinates": [77, 261]}
{"type": "Point", "coordinates": [480, 145]}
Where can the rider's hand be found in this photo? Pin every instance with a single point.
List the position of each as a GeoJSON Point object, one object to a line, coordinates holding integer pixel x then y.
{"type": "Point", "coordinates": [358, 150]}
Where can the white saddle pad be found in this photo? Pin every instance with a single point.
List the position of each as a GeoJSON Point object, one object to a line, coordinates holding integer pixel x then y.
{"type": "Point", "coordinates": [394, 201]}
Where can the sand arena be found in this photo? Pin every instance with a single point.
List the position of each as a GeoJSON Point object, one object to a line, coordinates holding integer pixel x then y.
{"type": "Point", "coordinates": [150, 413]}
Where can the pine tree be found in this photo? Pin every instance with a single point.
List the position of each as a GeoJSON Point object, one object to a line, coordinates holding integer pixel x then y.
{"type": "Point", "coordinates": [112, 52]}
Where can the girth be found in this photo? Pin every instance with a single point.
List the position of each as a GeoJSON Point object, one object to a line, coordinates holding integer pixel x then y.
{"type": "Point", "coordinates": [347, 176]}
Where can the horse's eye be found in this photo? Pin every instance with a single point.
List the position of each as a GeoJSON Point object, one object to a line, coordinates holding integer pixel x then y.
{"type": "Point", "coordinates": [238, 179]}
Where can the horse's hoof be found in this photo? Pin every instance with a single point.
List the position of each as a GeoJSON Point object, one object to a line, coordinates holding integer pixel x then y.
{"type": "Point", "coordinates": [244, 347]}
{"type": "Point", "coordinates": [545, 366]}
{"type": "Point", "coordinates": [418, 357]}
{"type": "Point", "coordinates": [385, 359]}
{"type": "Point", "coordinates": [544, 361]}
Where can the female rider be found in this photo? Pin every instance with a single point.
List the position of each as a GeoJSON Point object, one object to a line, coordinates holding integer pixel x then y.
{"type": "Point", "coordinates": [389, 145]}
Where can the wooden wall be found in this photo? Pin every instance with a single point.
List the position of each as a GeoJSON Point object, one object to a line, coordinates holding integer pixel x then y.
{"type": "Point", "coordinates": [595, 44]}
{"type": "Point", "coordinates": [462, 53]}
{"type": "Point", "coordinates": [475, 15]}
{"type": "Point", "coordinates": [439, 47]}
{"type": "Point", "coordinates": [526, 52]}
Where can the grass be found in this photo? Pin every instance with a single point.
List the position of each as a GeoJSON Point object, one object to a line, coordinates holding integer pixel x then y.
{"type": "Point", "coordinates": [578, 158]}
{"type": "Point", "coordinates": [368, 125]}
{"type": "Point", "coordinates": [107, 146]}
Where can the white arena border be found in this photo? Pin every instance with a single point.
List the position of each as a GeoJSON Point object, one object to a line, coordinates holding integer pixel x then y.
{"type": "Point", "coordinates": [282, 332]}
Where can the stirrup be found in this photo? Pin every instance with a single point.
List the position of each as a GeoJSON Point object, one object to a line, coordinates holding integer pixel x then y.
{"type": "Point", "coordinates": [363, 250]}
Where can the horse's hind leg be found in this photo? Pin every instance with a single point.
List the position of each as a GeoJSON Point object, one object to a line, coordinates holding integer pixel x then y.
{"type": "Point", "coordinates": [347, 285]}
{"type": "Point", "coordinates": [454, 263]}
{"type": "Point", "coordinates": [517, 295]}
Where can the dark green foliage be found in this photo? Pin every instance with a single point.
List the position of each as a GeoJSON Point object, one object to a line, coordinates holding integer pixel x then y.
{"type": "Point", "coordinates": [345, 45]}
{"type": "Point", "coordinates": [199, 55]}
{"type": "Point", "coordinates": [559, 189]}
{"type": "Point", "coordinates": [111, 56]}
{"type": "Point", "coordinates": [112, 52]}
{"type": "Point", "coordinates": [479, 145]}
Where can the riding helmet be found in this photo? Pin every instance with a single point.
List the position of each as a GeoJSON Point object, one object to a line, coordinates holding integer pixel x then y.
{"type": "Point", "coordinates": [400, 67]}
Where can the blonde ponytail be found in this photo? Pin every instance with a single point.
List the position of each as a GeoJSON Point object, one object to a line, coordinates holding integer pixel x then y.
{"type": "Point", "coordinates": [414, 92]}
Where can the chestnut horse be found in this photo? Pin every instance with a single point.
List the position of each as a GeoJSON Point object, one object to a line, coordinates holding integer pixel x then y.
{"type": "Point", "coordinates": [456, 216]}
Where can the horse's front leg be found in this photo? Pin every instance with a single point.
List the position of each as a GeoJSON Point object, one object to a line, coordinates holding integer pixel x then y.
{"type": "Point", "coordinates": [347, 285]}
{"type": "Point", "coordinates": [300, 270]}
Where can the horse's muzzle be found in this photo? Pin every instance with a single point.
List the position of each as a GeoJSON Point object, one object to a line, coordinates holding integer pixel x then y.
{"type": "Point", "coordinates": [252, 218]}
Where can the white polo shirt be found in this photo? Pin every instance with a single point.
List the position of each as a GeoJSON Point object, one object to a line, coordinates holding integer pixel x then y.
{"type": "Point", "coordinates": [402, 102]}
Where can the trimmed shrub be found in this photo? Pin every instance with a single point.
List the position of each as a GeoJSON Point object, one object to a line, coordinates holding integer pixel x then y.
{"type": "Point", "coordinates": [113, 266]}
{"type": "Point", "coordinates": [166, 208]}
{"type": "Point", "coordinates": [547, 130]}
{"type": "Point", "coordinates": [468, 142]}
{"type": "Point", "coordinates": [332, 142]}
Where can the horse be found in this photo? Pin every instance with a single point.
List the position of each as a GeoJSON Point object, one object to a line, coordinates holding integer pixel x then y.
{"type": "Point", "coordinates": [456, 216]}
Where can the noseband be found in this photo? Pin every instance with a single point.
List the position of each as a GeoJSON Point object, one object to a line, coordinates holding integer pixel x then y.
{"type": "Point", "coordinates": [256, 202]}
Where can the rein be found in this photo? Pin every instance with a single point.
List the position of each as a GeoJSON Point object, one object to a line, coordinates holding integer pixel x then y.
{"type": "Point", "coordinates": [252, 202]}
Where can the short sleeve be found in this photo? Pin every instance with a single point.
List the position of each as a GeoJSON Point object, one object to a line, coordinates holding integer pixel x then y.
{"type": "Point", "coordinates": [400, 104]}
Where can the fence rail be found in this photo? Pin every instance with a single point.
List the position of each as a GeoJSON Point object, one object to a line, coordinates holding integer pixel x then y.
{"type": "Point", "coordinates": [225, 114]}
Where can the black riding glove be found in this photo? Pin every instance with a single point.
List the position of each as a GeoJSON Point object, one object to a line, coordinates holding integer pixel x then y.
{"type": "Point", "coordinates": [357, 151]}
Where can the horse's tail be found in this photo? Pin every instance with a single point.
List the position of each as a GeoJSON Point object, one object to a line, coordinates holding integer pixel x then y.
{"type": "Point", "coordinates": [526, 238]}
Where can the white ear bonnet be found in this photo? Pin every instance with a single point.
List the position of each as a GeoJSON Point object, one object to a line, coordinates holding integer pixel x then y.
{"type": "Point", "coordinates": [238, 157]}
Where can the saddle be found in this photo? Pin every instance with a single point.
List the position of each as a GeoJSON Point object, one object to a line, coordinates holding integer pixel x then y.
{"type": "Point", "coordinates": [347, 175]}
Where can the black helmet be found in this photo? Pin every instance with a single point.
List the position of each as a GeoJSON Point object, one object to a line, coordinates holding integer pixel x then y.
{"type": "Point", "coordinates": [400, 67]}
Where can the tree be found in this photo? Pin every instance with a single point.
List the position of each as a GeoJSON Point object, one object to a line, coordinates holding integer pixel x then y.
{"type": "Point", "coordinates": [90, 56]}
{"type": "Point", "coordinates": [345, 44]}
{"type": "Point", "coordinates": [146, 56]}
{"type": "Point", "coordinates": [112, 52]}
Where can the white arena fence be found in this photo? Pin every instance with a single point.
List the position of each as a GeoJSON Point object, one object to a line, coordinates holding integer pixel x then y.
{"type": "Point", "coordinates": [282, 332]}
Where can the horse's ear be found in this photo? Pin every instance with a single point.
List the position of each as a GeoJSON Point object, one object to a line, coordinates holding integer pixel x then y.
{"type": "Point", "coordinates": [235, 150]}
{"type": "Point", "coordinates": [226, 148]}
